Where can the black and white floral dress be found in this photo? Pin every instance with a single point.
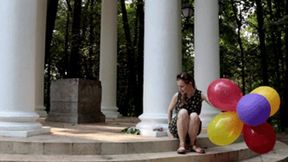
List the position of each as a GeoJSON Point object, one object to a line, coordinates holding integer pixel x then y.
{"type": "Point", "coordinates": [193, 104]}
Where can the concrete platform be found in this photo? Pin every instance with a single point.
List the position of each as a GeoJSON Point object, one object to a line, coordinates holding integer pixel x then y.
{"type": "Point", "coordinates": [105, 142]}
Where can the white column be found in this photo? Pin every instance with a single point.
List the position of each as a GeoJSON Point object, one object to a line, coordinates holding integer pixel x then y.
{"type": "Point", "coordinates": [108, 58]}
{"type": "Point", "coordinates": [162, 62]}
{"type": "Point", "coordinates": [40, 53]}
{"type": "Point", "coordinates": [18, 45]}
{"type": "Point", "coordinates": [207, 62]}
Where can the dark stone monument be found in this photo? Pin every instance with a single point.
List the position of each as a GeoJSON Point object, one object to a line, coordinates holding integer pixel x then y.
{"type": "Point", "coordinates": [75, 101]}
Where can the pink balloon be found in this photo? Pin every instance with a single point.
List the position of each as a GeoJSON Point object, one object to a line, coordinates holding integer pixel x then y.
{"type": "Point", "coordinates": [260, 139]}
{"type": "Point", "coordinates": [224, 94]}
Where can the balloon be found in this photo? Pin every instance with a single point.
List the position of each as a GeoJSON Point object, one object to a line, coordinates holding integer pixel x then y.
{"type": "Point", "coordinates": [224, 94]}
{"type": "Point", "coordinates": [253, 109]}
{"type": "Point", "coordinates": [260, 139]}
{"type": "Point", "coordinates": [271, 95]}
{"type": "Point", "coordinates": [224, 128]}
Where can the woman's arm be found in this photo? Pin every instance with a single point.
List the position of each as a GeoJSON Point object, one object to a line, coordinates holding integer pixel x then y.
{"type": "Point", "coordinates": [204, 98]}
{"type": "Point", "coordinates": [171, 107]}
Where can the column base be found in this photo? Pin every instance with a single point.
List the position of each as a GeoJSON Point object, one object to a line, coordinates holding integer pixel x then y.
{"type": "Point", "coordinates": [207, 115]}
{"type": "Point", "coordinates": [154, 125]}
{"type": "Point", "coordinates": [110, 112]}
{"type": "Point", "coordinates": [22, 129]}
{"type": "Point", "coordinates": [25, 133]}
{"type": "Point", "coordinates": [152, 133]}
{"type": "Point", "coordinates": [41, 111]}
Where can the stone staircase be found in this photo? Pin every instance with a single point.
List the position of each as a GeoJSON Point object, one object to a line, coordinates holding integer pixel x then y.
{"type": "Point", "coordinates": [103, 143]}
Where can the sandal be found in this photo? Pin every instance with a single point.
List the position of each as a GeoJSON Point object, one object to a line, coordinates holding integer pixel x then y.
{"type": "Point", "coordinates": [188, 147]}
{"type": "Point", "coordinates": [181, 150]}
{"type": "Point", "coordinates": [197, 149]}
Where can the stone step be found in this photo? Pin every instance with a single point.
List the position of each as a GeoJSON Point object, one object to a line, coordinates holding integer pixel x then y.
{"type": "Point", "coordinates": [233, 152]}
{"type": "Point", "coordinates": [279, 153]}
{"type": "Point", "coordinates": [59, 145]}
{"type": "Point", "coordinates": [105, 142]}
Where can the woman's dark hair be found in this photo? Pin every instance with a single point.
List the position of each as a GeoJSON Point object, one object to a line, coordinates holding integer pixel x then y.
{"type": "Point", "coordinates": [187, 78]}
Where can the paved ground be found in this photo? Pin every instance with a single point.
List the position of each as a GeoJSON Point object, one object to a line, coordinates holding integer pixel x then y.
{"type": "Point", "coordinates": [116, 125]}
{"type": "Point", "coordinates": [111, 130]}
{"type": "Point", "coordinates": [108, 131]}
{"type": "Point", "coordinates": [283, 137]}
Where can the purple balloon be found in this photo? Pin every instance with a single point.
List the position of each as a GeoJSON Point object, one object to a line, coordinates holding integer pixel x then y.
{"type": "Point", "coordinates": [253, 109]}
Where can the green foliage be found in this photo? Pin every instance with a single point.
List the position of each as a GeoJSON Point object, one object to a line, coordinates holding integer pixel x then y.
{"type": "Point", "coordinates": [188, 41]}
{"type": "Point", "coordinates": [129, 67]}
{"type": "Point", "coordinates": [90, 39]}
{"type": "Point", "coordinates": [131, 130]}
{"type": "Point", "coordinates": [240, 57]}
{"type": "Point", "coordinates": [231, 64]}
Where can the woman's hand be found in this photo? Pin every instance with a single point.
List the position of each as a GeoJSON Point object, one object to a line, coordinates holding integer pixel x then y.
{"type": "Point", "coordinates": [204, 98]}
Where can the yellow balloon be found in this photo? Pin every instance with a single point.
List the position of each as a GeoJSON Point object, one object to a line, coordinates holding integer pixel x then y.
{"type": "Point", "coordinates": [271, 95]}
{"type": "Point", "coordinates": [224, 128]}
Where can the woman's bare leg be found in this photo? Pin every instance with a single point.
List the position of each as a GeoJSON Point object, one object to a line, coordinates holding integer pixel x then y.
{"type": "Point", "coordinates": [182, 126]}
{"type": "Point", "coordinates": [194, 126]}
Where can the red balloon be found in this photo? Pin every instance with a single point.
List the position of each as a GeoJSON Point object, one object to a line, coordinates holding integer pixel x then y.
{"type": "Point", "coordinates": [260, 139]}
{"type": "Point", "coordinates": [224, 94]}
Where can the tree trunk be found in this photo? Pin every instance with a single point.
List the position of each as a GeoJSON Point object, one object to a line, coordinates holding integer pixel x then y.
{"type": "Point", "coordinates": [91, 39]}
{"type": "Point", "coordinates": [261, 34]}
{"type": "Point", "coordinates": [276, 35]}
{"type": "Point", "coordinates": [239, 40]}
{"type": "Point", "coordinates": [130, 99]}
{"type": "Point", "coordinates": [283, 109]}
{"type": "Point", "coordinates": [50, 25]}
{"type": "Point", "coordinates": [140, 57]}
{"type": "Point", "coordinates": [84, 34]}
{"type": "Point", "coordinates": [66, 41]}
{"type": "Point", "coordinates": [74, 69]}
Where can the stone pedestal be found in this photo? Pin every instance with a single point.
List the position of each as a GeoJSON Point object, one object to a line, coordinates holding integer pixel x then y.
{"type": "Point", "coordinates": [75, 101]}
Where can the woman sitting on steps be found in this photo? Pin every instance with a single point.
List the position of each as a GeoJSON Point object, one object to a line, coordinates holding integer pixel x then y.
{"type": "Point", "coordinates": [186, 124]}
